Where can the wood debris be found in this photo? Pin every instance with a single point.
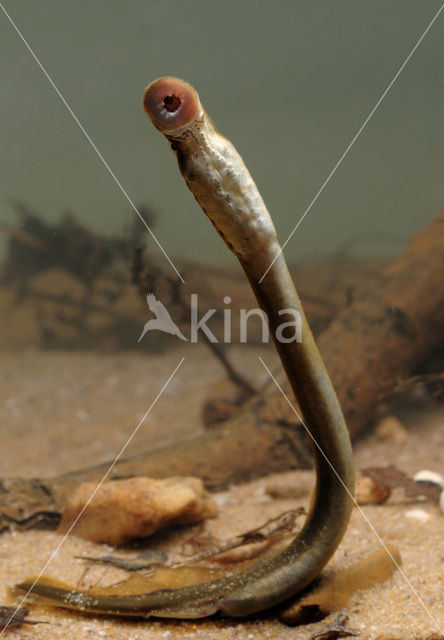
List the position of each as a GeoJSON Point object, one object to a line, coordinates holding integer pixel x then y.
{"type": "Point", "coordinates": [15, 616]}
{"type": "Point", "coordinates": [145, 560]}
{"type": "Point", "coordinates": [380, 331]}
{"type": "Point", "coordinates": [250, 544]}
{"type": "Point", "coordinates": [336, 629]}
{"type": "Point", "coordinates": [390, 477]}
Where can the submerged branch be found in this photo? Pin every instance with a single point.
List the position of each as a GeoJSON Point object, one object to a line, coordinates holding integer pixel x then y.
{"type": "Point", "coordinates": [380, 339]}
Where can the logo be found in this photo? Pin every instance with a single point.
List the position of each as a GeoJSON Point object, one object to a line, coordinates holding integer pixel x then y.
{"type": "Point", "coordinates": [162, 321]}
{"type": "Point", "coordinates": [289, 331]}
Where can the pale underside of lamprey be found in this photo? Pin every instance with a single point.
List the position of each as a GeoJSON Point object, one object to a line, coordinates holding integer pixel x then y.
{"type": "Point", "coordinates": [220, 182]}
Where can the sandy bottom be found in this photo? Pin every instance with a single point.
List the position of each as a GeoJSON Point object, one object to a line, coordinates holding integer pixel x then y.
{"type": "Point", "coordinates": [62, 411]}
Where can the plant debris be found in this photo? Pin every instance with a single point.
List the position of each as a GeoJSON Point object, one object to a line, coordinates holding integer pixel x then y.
{"type": "Point", "coordinates": [36, 245]}
{"type": "Point", "coordinates": [269, 532]}
{"type": "Point", "coordinates": [38, 520]}
{"type": "Point", "coordinates": [15, 616]}
{"type": "Point", "coordinates": [144, 560]}
{"type": "Point", "coordinates": [390, 477]}
{"type": "Point", "coordinates": [433, 381]}
{"type": "Point", "coordinates": [336, 629]}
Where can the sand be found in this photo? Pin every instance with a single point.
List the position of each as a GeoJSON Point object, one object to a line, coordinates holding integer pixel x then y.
{"type": "Point", "coordinates": [62, 411]}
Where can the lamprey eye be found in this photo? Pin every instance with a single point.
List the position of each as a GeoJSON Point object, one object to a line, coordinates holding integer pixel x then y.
{"type": "Point", "coordinates": [171, 104]}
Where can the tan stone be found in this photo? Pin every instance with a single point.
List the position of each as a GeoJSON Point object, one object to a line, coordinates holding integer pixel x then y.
{"type": "Point", "coordinates": [367, 492]}
{"type": "Point", "coordinates": [135, 508]}
{"type": "Point", "coordinates": [391, 429]}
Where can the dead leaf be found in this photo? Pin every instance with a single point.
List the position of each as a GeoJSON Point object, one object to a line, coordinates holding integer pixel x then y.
{"type": "Point", "coordinates": [38, 520]}
{"type": "Point", "coordinates": [250, 544]}
{"type": "Point", "coordinates": [142, 561]}
{"type": "Point", "coordinates": [390, 477]}
{"type": "Point", "coordinates": [15, 616]}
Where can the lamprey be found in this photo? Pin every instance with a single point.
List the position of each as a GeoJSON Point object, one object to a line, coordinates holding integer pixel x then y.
{"type": "Point", "coordinates": [222, 185]}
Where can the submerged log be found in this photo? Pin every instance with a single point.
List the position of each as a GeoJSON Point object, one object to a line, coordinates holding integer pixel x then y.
{"type": "Point", "coordinates": [384, 334]}
{"type": "Point", "coordinates": [218, 456]}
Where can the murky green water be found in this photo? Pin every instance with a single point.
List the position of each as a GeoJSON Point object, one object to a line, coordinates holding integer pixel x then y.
{"type": "Point", "coordinates": [290, 82]}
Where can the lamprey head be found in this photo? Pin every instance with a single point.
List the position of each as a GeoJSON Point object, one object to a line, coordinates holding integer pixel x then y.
{"type": "Point", "coordinates": [171, 104]}
{"type": "Point", "coordinates": [212, 169]}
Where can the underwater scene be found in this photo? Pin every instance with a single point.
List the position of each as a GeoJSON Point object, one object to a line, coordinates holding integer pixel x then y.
{"type": "Point", "coordinates": [222, 320]}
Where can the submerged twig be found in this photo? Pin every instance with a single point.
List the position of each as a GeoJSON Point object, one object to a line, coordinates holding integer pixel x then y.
{"type": "Point", "coordinates": [269, 532]}
{"type": "Point", "coordinates": [336, 629]}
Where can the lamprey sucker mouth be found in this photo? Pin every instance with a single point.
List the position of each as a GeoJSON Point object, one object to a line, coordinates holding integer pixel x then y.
{"type": "Point", "coordinates": [223, 187]}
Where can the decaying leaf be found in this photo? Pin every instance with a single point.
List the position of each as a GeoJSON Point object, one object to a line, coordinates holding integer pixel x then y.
{"type": "Point", "coordinates": [336, 629]}
{"type": "Point", "coordinates": [252, 543]}
{"type": "Point", "coordinates": [162, 578]}
{"type": "Point", "coordinates": [144, 560]}
{"type": "Point", "coordinates": [15, 616]}
{"type": "Point", "coordinates": [273, 527]}
{"type": "Point", "coordinates": [390, 477]}
{"type": "Point", "coordinates": [334, 591]}
{"type": "Point", "coordinates": [38, 520]}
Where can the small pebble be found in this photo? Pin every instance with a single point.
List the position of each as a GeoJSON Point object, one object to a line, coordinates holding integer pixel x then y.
{"type": "Point", "coordinates": [368, 492]}
{"type": "Point", "coordinates": [432, 476]}
{"type": "Point", "coordinates": [391, 429]}
{"type": "Point", "coordinates": [429, 476]}
{"type": "Point", "coordinates": [418, 514]}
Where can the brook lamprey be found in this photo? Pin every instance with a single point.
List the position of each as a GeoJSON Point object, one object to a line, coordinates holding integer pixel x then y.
{"type": "Point", "coordinates": [222, 185]}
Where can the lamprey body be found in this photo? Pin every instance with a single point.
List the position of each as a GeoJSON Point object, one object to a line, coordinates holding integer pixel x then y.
{"type": "Point", "coordinates": [220, 182]}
